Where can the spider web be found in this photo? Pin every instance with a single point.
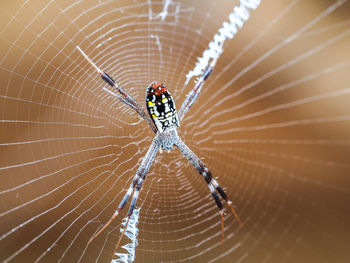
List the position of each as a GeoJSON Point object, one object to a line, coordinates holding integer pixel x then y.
{"type": "Point", "coordinates": [272, 124]}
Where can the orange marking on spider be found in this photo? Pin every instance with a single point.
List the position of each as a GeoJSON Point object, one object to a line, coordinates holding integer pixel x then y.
{"type": "Point", "coordinates": [229, 203]}
{"type": "Point", "coordinates": [120, 239]}
{"type": "Point", "coordinates": [222, 226]}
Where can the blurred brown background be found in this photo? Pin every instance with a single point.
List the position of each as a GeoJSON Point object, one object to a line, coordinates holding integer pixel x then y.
{"type": "Point", "coordinates": [272, 124]}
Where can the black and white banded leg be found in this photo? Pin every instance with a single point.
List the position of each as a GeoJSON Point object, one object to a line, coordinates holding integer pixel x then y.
{"type": "Point", "coordinates": [212, 183]}
{"type": "Point", "coordinates": [125, 98]}
{"type": "Point", "coordinates": [135, 186]}
{"type": "Point", "coordinates": [194, 93]}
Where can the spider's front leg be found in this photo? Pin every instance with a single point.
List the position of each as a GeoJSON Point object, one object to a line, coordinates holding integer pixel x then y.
{"type": "Point", "coordinates": [212, 183]}
{"type": "Point", "coordinates": [134, 186]}
{"type": "Point", "coordinates": [125, 98]}
{"type": "Point", "coordinates": [194, 93]}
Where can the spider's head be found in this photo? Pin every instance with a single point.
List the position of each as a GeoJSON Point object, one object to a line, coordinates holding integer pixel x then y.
{"type": "Point", "coordinates": [161, 107]}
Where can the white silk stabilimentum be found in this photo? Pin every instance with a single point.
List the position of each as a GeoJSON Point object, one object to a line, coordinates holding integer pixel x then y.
{"type": "Point", "coordinates": [228, 30]}
{"type": "Point", "coordinates": [131, 232]}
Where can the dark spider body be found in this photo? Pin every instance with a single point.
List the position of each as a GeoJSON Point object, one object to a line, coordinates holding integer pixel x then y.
{"type": "Point", "coordinates": [161, 107]}
{"type": "Point", "coordinates": [163, 119]}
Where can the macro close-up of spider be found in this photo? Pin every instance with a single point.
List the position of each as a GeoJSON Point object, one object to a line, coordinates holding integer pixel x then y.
{"type": "Point", "coordinates": [164, 120]}
{"type": "Point", "coordinates": [219, 134]}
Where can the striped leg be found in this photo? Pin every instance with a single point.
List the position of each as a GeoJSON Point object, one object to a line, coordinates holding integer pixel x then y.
{"type": "Point", "coordinates": [132, 207]}
{"type": "Point", "coordinates": [139, 177]}
{"type": "Point", "coordinates": [125, 97]}
{"type": "Point", "coordinates": [194, 93]}
{"type": "Point", "coordinates": [212, 183]}
{"type": "Point", "coordinates": [120, 207]}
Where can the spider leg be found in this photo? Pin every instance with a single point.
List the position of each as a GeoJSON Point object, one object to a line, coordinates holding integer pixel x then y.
{"type": "Point", "coordinates": [126, 98]}
{"type": "Point", "coordinates": [194, 93]}
{"type": "Point", "coordinates": [135, 185]}
{"type": "Point", "coordinates": [132, 207]}
{"type": "Point", "coordinates": [120, 207]}
{"type": "Point", "coordinates": [143, 170]}
{"type": "Point", "coordinates": [212, 183]}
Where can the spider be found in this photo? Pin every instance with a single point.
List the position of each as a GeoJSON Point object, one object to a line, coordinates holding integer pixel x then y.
{"type": "Point", "coordinates": [164, 120]}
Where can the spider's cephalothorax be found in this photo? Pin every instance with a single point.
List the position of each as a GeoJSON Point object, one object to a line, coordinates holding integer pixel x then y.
{"type": "Point", "coordinates": [161, 107]}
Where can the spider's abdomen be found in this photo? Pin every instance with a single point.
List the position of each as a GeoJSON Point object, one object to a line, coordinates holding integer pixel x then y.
{"type": "Point", "coordinates": [161, 107]}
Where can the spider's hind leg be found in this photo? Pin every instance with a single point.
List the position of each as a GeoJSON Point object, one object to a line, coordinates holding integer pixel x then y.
{"type": "Point", "coordinates": [131, 208]}
{"type": "Point", "coordinates": [120, 207]}
{"type": "Point", "coordinates": [139, 179]}
{"type": "Point", "coordinates": [213, 185]}
{"type": "Point", "coordinates": [224, 196]}
{"type": "Point", "coordinates": [208, 178]}
{"type": "Point", "coordinates": [134, 186]}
